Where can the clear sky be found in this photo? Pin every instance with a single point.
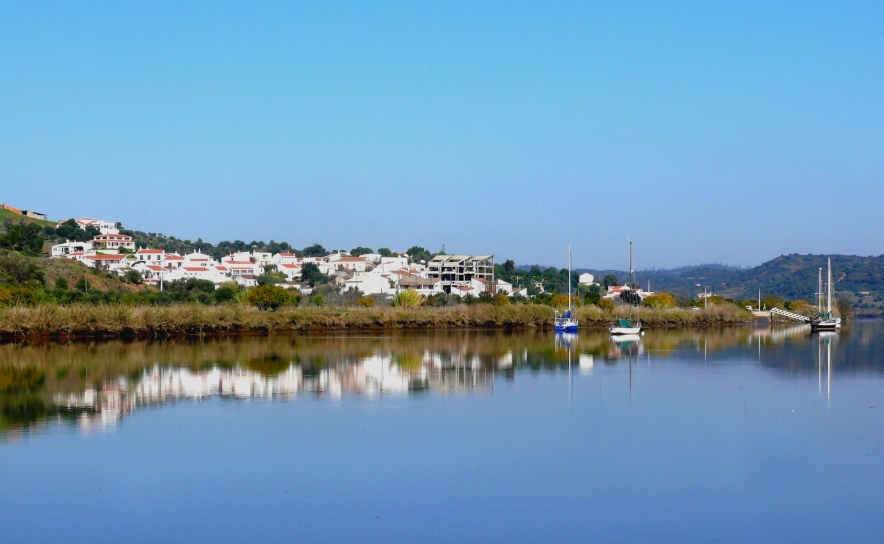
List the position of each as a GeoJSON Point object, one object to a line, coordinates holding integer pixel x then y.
{"type": "Point", "coordinates": [706, 131]}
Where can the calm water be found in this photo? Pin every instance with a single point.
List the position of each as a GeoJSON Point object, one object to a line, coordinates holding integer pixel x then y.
{"type": "Point", "coordinates": [735, 435]}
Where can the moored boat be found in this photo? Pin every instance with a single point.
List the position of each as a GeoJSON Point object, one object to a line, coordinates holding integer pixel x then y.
{"type": "Point", "coordinates": [566, 322]}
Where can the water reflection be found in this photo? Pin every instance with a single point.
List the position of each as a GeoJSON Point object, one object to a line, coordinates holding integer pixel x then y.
{"type": "Point", "coordinates": [95, 385]}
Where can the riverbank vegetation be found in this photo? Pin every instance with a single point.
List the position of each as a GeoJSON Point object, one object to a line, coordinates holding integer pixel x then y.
{"type": "Point", "coordinates": [193, 319]}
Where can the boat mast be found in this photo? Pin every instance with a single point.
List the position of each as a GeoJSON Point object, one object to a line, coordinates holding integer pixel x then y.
{"type": "Point", "coordinates": [829, 290]}
{"type": "Point", "coordinates": [569, 279]}
{"type": "Point", "coordinates": [819, 293]}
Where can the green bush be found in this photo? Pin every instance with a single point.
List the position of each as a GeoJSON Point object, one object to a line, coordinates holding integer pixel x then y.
{"type": "Point", "coordinates": [407, 299]}
{"type": "Point", "coordinates": [268, 297]}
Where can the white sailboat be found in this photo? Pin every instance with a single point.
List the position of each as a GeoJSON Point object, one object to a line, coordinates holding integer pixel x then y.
{"type": "Point", "coordinates": [826, 321]}
{"type": "Point", "coordinates": [626, 326]}
{"type": "Point", "coordinates": [566, 322]}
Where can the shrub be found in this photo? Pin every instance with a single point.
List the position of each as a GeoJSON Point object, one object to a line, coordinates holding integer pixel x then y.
{"type": "Point", "coordinates": [61, 283]}
{"type": "Point", "coordinates": [407, 299]}
{"type": "Point", "coordinates": [500, 299]}
{"type": "Point", "coordinates": [268, 297]}
{"type": "Point", "coordinates": [226, 293]}
{"type": "Point", "coordinates": [660, 300]}
{"type": "Point", "coordinates": [606, 304]}
{"type": "Point", "coordinates": [365, 302]}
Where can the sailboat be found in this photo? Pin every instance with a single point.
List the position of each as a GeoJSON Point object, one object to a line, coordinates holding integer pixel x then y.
{"type": "Point", "coordinates": [825, 321]}
{"type": "Point", "coordinates": [566, 322]}
{"type": "Point", "coordinates": [626, 326]}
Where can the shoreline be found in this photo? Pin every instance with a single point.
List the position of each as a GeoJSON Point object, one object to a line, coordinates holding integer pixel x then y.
{"type": "Point", "coordinates": [195, 320]}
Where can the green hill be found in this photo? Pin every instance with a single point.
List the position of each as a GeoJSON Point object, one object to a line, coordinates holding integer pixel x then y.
{"type": "Point", "coordinates": [790, 276]}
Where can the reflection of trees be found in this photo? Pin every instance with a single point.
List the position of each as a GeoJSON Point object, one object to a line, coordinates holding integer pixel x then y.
{"type": "Point", "coordinates": [33, 375]}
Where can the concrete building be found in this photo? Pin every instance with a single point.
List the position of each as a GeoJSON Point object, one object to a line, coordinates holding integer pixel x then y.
{"type": "Point", "coordinates": [460, 270]}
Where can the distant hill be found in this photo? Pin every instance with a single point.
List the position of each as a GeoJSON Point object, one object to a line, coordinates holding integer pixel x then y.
{"type": "Point", "coordinates": [791, 276]}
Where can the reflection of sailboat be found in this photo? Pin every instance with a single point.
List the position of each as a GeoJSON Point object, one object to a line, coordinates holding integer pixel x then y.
{"type": "Point", "coordinates": [566, 322]}
{"type": "Point", "coordinates": [626, 338]}
{"type": "Point", "coordinates": [626, 326]}
{"type": "Point", "coordinates": [825, 339]}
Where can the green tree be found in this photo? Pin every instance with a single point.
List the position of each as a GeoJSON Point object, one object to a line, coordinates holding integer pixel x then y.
{"type": "Point", "coordinates": [311, 274]}
{"type": "Point", "coordinates": [316, 250]}
{"type": "Point", "coordinates": [385, 252]}
{"type": "Point", "coordinates": [271, 277]}
{"type": "Point", "coordinates": [509, 267]}
{"type": "Point", "coordinates": [268, 297]}
{"type": "Point", "coordinates": [418, 253]}
{"type": "Point", "coordinates": [18, 270]}
{"type": "Point", "coordinates": [610, 280]}
{"type": "Point", "coordinates": [357, 251]}
{"type": "Point", "coordinates": [228, 292]}
{"type": "Point", "coordinates": [132, 276]}
{"type": "Point", "coordinates": [592, 296]}
{"type": "Point", "coordinates": [407, 299]}
{"type": "Point", "coordinates": [23, 237]}
{"type": "Point", "coordinates": [61, 283]}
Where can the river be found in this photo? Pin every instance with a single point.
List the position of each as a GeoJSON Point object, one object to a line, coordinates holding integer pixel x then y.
{"type": "Point", "coordinates": [739, 434]}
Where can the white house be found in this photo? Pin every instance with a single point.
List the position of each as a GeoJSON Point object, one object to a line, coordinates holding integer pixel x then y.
{"type": "Point", "coordinates": [150, 273]}
{"type": "Point", "coordinates": [246, 280]}
{"type": "Point", "coordinates": [242, 268]}
{"type": "Point", "coordinates": [104, 227]}
{"type": "Point", "coordinates": [354, 264]}
{"type": "Point", "coordinates": [369, 283]}
{"type": "Point", "coordinates": [615, 291]}
{"type": "Point", "coordinates": [291, 271]}
{"type": "Point", "coordinates": [115, 262]}
{"type": "Point", "coordinates": [238, 256]}
{"type": "Point", "coordinates": [285, 258]}
{"type": "Point", "coordinates": [173, 260]}
{"type": "Point", "coordinates": [65, 249]}
{"type": "Point", "coordinates": [150, 255]}
{"type": "Point", "coordinates": [262, 257]}
{"type": "Point", "coordinates": [114, 241]}
{"type": "Point", "coordinates": [586, 279]}
{"type": "Point", "coordinates": [424, 286]}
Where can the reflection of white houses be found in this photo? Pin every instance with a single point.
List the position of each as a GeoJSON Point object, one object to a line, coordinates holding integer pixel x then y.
{"type": "Point", "coordinates": [377, 374]}
{"type": "Point", "coordinates": [65, 249]}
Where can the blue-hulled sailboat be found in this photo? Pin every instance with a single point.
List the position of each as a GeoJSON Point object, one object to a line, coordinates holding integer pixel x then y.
{"type": "Point", "coordinates": [566, 322]}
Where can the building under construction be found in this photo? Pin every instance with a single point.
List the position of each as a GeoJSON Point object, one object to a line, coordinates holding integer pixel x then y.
{"type": "Point", "coordinates": [461, 270]}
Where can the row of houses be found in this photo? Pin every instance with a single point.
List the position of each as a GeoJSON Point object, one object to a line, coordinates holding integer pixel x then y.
{"type": "Point", "coordinates": [371, 274]}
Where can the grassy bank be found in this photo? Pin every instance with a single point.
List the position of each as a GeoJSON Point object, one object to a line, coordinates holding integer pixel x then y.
{"type": "Point", "coordinates": [112, 321]}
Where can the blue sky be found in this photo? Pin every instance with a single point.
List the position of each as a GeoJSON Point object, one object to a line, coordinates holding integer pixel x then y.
{"type": "Point", "coordinates": [707, 131]}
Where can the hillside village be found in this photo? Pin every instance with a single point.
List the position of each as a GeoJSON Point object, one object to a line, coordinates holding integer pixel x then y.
{"type": "Point", "coordinates": [368, 274]}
